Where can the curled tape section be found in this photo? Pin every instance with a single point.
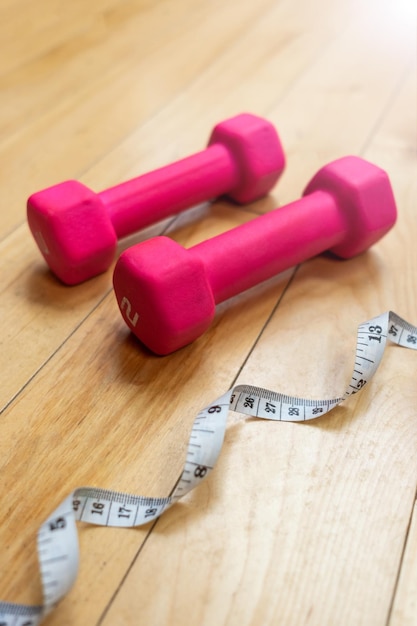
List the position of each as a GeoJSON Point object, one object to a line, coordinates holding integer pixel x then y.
{"type": "Point", "coordinates": [57, 537]}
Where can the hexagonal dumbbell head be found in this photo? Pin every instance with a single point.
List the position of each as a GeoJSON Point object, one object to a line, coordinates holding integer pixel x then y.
{"type": "Point", "coordinates": [163, 294]}
{"type": "Point", "coordinates": [364, 195]}
{"type": "Point", "coordinates": [73, 231]}
{"type": "Point", "coordinates": [257, 151]}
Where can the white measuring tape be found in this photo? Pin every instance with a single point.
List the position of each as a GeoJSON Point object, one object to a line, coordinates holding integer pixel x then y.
{"type": "Point", "coordinates": [57, 537]}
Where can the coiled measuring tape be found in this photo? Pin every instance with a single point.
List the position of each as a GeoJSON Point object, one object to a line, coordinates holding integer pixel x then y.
{"type": "Point", "coordinates": [57, 537]}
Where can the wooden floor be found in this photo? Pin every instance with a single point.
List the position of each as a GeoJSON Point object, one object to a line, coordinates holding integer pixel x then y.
{"type": "Point", "coordinates": [299, 524]}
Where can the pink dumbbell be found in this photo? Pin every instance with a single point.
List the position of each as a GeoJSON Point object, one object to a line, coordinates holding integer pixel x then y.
{"type": "Point", "coordinates": [167, 295]}
{"type": "Point", "coordinates": [77, 229]}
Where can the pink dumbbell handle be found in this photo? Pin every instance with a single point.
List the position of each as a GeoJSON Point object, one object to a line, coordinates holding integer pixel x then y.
{"type": "Point", "coordinates": [170, 189]}
{"type": "Point", "coordinates": [253, 252]}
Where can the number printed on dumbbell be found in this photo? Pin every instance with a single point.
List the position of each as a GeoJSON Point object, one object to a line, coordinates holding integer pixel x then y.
{"type": "Point", "coordinates": [125, 304]}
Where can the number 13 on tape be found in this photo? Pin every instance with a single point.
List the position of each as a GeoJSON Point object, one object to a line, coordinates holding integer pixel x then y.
{"type": "Point", "coordinates": [57, 537]}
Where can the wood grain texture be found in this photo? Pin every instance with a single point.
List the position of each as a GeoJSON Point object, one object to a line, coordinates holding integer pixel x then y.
{"type": "Point", "coordinates": [405, 609]}
{"type": "Point", "coordinates": [298, 524]}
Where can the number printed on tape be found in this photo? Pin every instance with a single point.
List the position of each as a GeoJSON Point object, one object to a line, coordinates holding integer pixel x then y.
{"type": "Point", "coordinates": [57, 537]}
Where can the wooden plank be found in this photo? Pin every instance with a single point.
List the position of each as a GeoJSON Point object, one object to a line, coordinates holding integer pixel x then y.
{"type": "Point", "coordinates": [29, 30]}
{"type": "Point", "coordinates": [89, 121]}
{"type": "Point", "coordinates": [348, 92]}
{"type": "Point", "coordinates": [117, 42]}
{"type": "Point", "coordinates": [404, 611]}
{"type": "Point", "coordinates": [37, 312]}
